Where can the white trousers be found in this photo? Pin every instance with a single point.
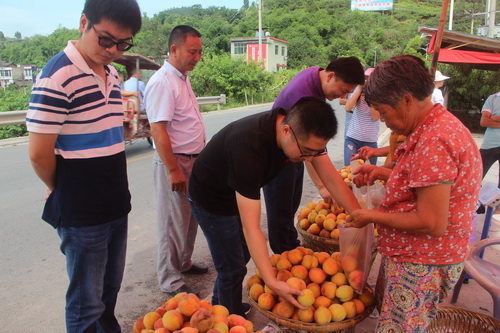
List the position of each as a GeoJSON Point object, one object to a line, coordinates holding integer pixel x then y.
{"type": "Point", "coordinates": [177, 227]}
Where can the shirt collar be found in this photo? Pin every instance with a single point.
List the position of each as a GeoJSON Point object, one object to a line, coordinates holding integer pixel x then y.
{"type": "Point", "coordinates": [168, 66]}
{"type": "Point", "coordinates": [77, 59]}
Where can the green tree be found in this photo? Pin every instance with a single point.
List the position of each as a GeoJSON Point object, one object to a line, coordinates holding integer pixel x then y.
{"type": "Point", "coordinates": [18, 35]}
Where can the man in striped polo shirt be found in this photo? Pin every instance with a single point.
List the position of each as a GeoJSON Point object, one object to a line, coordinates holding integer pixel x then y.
{"type": "Point", "coordinates": [76, 147]}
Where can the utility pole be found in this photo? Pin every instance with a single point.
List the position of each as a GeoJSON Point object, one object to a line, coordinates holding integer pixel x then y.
{"type": "Point", "coordinates": [491, 17]}
{"type": "Point", "coordinates": [452, 5]}
{"type": "Point", "coordinates": [260, 31]}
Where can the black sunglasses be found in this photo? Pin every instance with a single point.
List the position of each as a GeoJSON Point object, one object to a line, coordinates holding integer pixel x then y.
{"type": "Point", "coordinates": [317, 153]}
{"type": "Point", "coordinates": [107, 42]}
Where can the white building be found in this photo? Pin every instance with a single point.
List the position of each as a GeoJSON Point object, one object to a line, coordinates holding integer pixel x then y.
{"type": "Point", "coordinates": [22, 75]}
{"type": "Point", "coordinates": [274, 51]}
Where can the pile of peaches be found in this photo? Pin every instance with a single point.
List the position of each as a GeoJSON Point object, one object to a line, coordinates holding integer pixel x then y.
{"type": "Point", "coordinates": [328, 284]}
{"type": "Point", "coordinates": [321, 219]}
{"type": "Point", "coordinates": [186, 313]}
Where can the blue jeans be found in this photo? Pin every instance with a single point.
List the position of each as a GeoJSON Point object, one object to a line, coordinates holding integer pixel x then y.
{"type": "Point", "coordinates": [95, 261]}
{"type": "Point", "coordinates": [229, 253]}
{"type": "Point", "coordinates": [351, 146]}
{"type": "Point", "coordinates": [282, 195]}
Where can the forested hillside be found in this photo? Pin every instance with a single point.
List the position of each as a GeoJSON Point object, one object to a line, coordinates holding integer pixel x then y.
{"type": "Point", "coordinates": [318, 31]}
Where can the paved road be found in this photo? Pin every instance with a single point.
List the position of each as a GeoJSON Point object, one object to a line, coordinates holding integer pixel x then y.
{"type": "Point", "coordinates": [33, 280]}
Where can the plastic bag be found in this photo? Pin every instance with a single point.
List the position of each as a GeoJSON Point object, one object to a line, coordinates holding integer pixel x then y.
{"type": "Point", "coordinates": [356, 245]}
{"type": "Point", "coordinates": [377, 193]}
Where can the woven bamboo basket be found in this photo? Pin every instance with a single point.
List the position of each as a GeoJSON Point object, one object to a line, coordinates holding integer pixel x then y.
{"type": "Point", "coordinates": [459, 320]}
{"type": "Point", "coordinates": [345, 326]}
{"type": "Point", "coordinates": [317, 243]}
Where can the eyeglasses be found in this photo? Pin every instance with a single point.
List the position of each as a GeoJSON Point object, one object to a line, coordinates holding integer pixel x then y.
{"type": "Point", "coordinates": [107, 42]}
{"type": "Point", "coordinates": [315, 154]}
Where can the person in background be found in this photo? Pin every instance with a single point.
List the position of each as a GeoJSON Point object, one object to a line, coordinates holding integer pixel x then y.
{"type": "Point", "coordinates": [437, 94]}
{"type": "Point", "coordinates": [284, 192]}
{"type": "Point", "coordinates": [490, 118]}
{"type": "Point", "coordinates": [76, 147]}
{"type": "Point", "coordinates": [224, 188]}
{"type": "Point", "coordinates": [179, 136]}
{"type": "Point", "coordinates": [364, 124]}
{"type": "Point", "coordinates": [425, 219]}
{"type": "Point", "coordinates": [121, 78]}
{"type": "Point", "coordinates": [134, 84]}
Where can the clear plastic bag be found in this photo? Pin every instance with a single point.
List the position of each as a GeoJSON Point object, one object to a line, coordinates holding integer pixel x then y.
{"type": "Point", "coordinates": [356, 244]}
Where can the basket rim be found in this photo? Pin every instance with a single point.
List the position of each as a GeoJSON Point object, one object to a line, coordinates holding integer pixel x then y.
{"type": "Point", "coordinates": [450, 312]}
{"type": "Point", "coordinates": [305, 234]}
{"type": "Point", "coordinates": [313, 327]}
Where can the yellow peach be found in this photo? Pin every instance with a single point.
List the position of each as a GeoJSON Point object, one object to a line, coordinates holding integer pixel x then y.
{"type": "Point", "coordinates": [189, 304]}
{"type": "Point", "coordinates": [307, 315]}
{"type": "Point", "coordinates": [329, 224]}
{"type": "Point", "coordinates": [322, 256]}
{"type": "Point", "coordinates": [322, 316]}
{"type": "Point", "coordinates": [330, 266]}
{"type": "Point", "coordinates": [307, 297]}
{"type": "Point", "coordinates": [150, 318]}
{"type": "Point", "coordinates": [314, 229]}
{"type": "Point", "coordinates": [295, 256]}
{"type": "Point", "coordinates": [338, 312]}
{"type": "Point", "coordinates": [316, 289]}
{"type": "Point", "coordinates": [339, 279]}
{"type": "Point", "coordinates": [322, 301]}
{"type": "Point", "coordinates": [285, 309]}
{"type": "Point", "coordinates": [299, 271]}
{"type": "Point", "coordinates": [350, 309]}
{"type": "Point", "coordinates": [221, 327]}
{"type": "Point", "coordinates": [328, 289]}
{"type": "Point", "coordinates": [266, 301]}
{"type": "Point", "coordinates": [283, 264]}
{"type": "Point", "coordinates": [310, 261]}
{"type": "Point", "coordinates": [345, 293]}
{"type": "Point", "coordinates": [304, 224]}
{"type": "Point", "coordinates": [220, 309]}
{"type": "Point", "coordinates": [172, 320]}
{"type": "Point", "coordinates": [284, 275]}
{"type": "Point", "coordinates": [317, 275]}
{"type": "Point", "coordinates": [236, 320]}
{"type": "Point", "coordinates": [255, 291]}
{"type": "Point", "coordinates": [360, 307]}
{"type": "Point", "coordinates": [296, 283]}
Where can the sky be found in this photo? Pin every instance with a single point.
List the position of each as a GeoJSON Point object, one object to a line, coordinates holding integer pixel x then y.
{"type": "Point", "coordinates": [31, 17]}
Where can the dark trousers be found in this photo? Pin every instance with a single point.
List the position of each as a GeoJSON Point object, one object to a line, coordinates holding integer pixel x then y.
{"type": "Point", "coordinates": [282, 195]}
{"type": "Point", "coordinates": [490, 156]}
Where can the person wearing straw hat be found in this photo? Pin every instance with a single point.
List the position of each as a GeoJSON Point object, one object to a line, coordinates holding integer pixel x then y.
{"type": "Point", "coordinates": [437, 94]}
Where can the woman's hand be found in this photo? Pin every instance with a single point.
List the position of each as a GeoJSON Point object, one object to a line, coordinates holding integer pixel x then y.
{"type": "Point", "coordinates": [358, 218]}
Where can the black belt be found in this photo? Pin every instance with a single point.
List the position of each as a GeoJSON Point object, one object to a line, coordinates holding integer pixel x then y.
{"type": "Point", "coordinates": [350, 111]}
{"type": "Point", "coordinates": [188, 155]}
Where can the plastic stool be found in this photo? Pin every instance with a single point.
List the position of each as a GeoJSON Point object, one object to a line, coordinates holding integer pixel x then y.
{"type": "Point", "coordinates": [485, 273]}
{"type": "Point", "coordinates": [484, 235]}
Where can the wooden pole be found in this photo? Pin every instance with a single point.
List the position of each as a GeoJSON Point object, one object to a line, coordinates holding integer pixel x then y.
{"type": "Point", "coordinates": [439, 37]}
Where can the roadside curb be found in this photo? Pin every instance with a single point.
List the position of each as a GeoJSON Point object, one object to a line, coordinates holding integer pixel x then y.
{"type": "Point", "coordinates": [22, 140]}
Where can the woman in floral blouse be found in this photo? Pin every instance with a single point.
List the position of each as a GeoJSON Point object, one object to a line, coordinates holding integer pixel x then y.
{"type": "Point", "coordinates": [425, 219]}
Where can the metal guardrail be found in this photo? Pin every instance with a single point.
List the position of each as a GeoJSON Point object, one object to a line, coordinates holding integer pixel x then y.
{"type": "Point", "coordinates": [8, 118]}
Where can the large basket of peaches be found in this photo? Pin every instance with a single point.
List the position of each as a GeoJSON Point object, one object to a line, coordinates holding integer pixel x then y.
{"type": "Point", "coordinates": [329, 295]}
{"type": "Point", "coordinates": [317, 224]}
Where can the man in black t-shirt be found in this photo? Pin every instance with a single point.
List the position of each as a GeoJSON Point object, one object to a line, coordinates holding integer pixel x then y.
{"type": "Point", "coordinates": [225, 184]}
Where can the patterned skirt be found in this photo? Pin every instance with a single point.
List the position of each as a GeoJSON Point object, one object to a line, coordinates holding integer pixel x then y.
{"type": "Point", "coordinates": [408, 294]}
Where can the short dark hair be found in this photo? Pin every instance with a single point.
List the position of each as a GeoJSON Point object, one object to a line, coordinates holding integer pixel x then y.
{"type": "Point", "coordinates": [125, 13]}
{"type": "Point", "coordinates": [179, 34]}
{"type": "Point", "coordinates": [312, 116]}
{"type": "Point", "coordinates": [350, 70]}
{"type": "Point", "coordinates": [396, 77]}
